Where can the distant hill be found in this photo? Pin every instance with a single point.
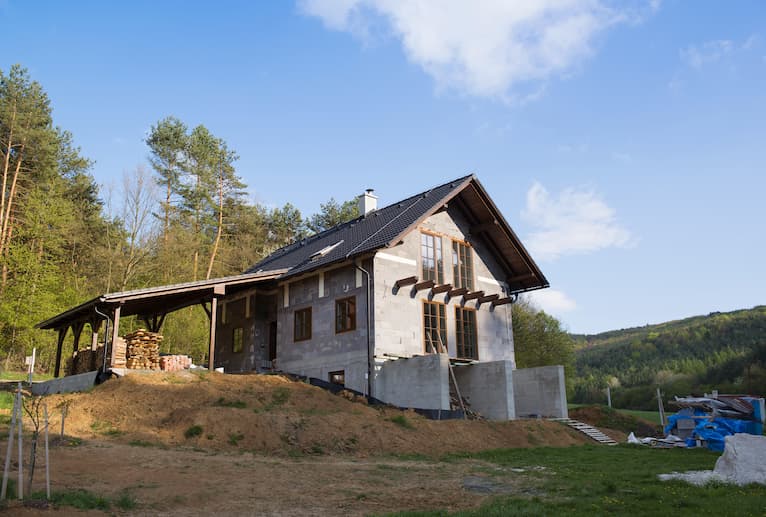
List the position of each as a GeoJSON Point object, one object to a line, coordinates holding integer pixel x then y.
{"type": "Point", "coordinates": [724, 351]}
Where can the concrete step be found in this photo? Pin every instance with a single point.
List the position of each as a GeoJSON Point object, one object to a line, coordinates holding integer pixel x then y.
{"type": "Point", "coordinates": [587, 430]}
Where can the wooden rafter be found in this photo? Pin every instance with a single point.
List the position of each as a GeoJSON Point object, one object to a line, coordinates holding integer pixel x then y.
{"type": "Point", "coordinates": [457, 291]}
{"type": "Point", "coordinates": [441, 288]}
{"type": "Point", "coordinates": [425, 284]}
{"type": "Point", "coordinates": [489, 298]}
{"type": "Point", "coordinates": [474, 295]}
{"type": "Point", "coordinates": [410, 280]}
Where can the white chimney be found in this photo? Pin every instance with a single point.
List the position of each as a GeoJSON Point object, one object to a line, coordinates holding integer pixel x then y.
{"type": "Point", "coordinates": [367, 202]}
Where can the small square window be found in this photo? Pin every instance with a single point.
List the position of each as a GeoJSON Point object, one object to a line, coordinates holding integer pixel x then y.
{"type": "Point", "coordinates": [338, 377]}
{"type": "Point", "coordinates": [237, 340]}
{"type": "Point", "coordinates": [302, 325]}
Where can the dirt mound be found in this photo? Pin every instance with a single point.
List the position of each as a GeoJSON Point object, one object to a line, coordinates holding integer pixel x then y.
{"type": "Point", "coordinates": [270, 414]}
{"type": "Point", "coordinates": [615, 424]}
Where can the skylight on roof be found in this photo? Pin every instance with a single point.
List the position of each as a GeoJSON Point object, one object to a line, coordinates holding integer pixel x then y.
{"type": "Point", "coordinates": [324, 251]}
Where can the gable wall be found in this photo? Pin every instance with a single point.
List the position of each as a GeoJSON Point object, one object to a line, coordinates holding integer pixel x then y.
{"type": "Point", "coordinates": [399, 315]}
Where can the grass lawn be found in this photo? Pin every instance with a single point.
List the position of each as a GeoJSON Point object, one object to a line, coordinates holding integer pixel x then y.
{"type": "Point", "coordinates": [24, 376]}
{"type": "Point", "coordinates": [598, 480]}
{"type": "Point", "coordinates": [652, 416]}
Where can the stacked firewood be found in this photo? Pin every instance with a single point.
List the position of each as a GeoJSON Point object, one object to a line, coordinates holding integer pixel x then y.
{"type": "Point", "coordinates": [120, 353]}
{"type": "Point", "coordinates": [84, 361]}
{"type": "Point", "coordinates": [175, 363]}
{"type": "Point", "coordinates": [143, 350]}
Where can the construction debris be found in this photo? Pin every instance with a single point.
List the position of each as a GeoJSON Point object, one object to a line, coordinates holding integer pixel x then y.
{"type": "Point", "coordinates": [175, 363]}
{"type": "Point", "coordinates": [707, 421]}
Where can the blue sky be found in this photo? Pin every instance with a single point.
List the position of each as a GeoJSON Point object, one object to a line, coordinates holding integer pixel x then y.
{"type": "Point", "coordinates": [625, 142]}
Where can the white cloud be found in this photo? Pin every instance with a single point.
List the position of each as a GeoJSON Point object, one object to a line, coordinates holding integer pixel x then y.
{"type": "Point", "coordinates": [576, 221]}
{"type": "Point", "coordinates": [552, 301]}
{"type": "Point", "coordinates": [491, 48]}
{"type": "Point", "coordinates": [697, 56]}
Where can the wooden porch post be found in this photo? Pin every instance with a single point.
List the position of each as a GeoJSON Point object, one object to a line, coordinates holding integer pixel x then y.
{"type": "Point", "coordinates": [77, 331]}
{"type": "Point", "coordinates": [62, 335]}
{"type": "Point", "coordinates": [211, 351]}
{"type": "Point", "coordinates": [115, 334]}
{"type": "Point", "coordinates": [94, 327]}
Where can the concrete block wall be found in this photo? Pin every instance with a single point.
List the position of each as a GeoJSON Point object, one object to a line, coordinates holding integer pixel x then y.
{"type": "Point", "coordinates": [418, 382]}
{"type": "Point", "coordinates": [399, 314]}
{"type": "Point", "coordinates": [253, 316]}
{"type": "Point", "coordinates": [488, 388]}
{"type": "Point", "coordinates": [326, 351]}
{"type": "Point", "coordinates": [540, 391]}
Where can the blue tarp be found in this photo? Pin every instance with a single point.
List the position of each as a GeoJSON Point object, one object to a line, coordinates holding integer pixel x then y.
{"type": "Point", "coordinates": [711, 430]}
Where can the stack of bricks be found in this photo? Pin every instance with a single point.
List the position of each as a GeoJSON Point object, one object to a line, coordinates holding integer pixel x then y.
{"type": "Point", "coordinates": [143, 350]}
{"type": "Point", "coordinates": [175, 363]}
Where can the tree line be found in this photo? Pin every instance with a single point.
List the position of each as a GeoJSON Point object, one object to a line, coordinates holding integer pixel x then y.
{"type": "Point", "coordinates": [720, 351]}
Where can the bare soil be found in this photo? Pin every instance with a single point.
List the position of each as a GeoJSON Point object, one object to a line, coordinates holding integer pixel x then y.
{"type": "Point", "coordinates": [195, 444]}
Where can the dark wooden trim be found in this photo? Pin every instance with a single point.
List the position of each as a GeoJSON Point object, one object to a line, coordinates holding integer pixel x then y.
{"type": "Point", "coordinates": [457, 291]}
{"type": "Point", "coordinates": [458, 309]}
{"type": "Point", "coordinates": [473, 295]}
{"type": "Point", "coordinates": [484, 227]}
{"type": "Point", "coordinates": [425, 284]}
{"type": "Point", "coordinates": [441, 288]}
{"type": "Point", "coordinates": [59, 346]}
{"type": "Point", "coordinates": [406, 281]}
{"type": "Point", "coordinates": [489, 298]}
{"type": "Point", "coordinates": [502, 301]}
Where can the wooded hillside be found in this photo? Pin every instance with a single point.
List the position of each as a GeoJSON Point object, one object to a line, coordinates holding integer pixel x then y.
{"type": "Point", "coordinates": [723, 351]}
{"type": "Point", "coordinates": [64, 240]}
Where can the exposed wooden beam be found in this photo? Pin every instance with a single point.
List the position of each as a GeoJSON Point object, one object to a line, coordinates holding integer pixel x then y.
{"type": "Point", "coordinates": [115, 334]}
{"type": "Point", "coordinates": [489, 298]}
{"type": "Point", "coordinates": [425, 284]}
{"type": "Point", "coordinates": [502, 301]}
{"type": "Point", "coordinates": [473, 295]}
{"type": "Point", "coordinates": [59, 346]}
{"type": "Point", "coordinates": [441, 288]}
{"type": "Point", "coordinates": [458, 291]}
{"type": "Point", "coordinates": [211, 351]}
{"type": "Point", "coordinates": [406, 281]}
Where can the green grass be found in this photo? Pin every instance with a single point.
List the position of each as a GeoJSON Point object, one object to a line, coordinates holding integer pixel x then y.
{"type": "Point", "coordinates": [652, 416]}
{"type": "Point", "coordinates": [6, 399]}
{"type": "Point", "coordinates": [597, 480]}
{"type": "Point", "coordinates": [24, 376]}
{"type": "Point", "coordinates": [193, 431]}
{"type": "Point", "coordinates": [401, 421]}
{"type": "Point", "coordinates": [279, 397]}
{"type": "Point", "coordinates": [231, 403]}
{"type": "Point", "coordinates": [80, 499]}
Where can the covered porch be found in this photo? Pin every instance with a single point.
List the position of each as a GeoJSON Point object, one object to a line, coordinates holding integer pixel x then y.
{"type": "Point", "coordinates": [151, 306]}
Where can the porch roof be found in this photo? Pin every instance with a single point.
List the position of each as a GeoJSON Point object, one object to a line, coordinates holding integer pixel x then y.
{"type": "Point", "coordinates": [158, 300]}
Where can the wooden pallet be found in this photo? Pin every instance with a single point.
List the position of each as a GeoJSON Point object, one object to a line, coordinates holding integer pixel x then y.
{"type": "Point", "coordinates": [589, 430]}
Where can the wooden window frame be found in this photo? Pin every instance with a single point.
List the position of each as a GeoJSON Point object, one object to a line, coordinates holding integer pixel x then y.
{"type": "Point", "coordinates": [438, 269]}
{"type": "Point", "coordinates": [460, 345]}
{"type": "Point", "coordinates": [338, 303]}
{"type": "Point", "coordinates": [296, 329]}
{"type": "Point", "coordinates": [237, 331]}
{"type": "Point", "coordinates": [459, 268]}
{"type": "Point", "coordinates": [441, 320]}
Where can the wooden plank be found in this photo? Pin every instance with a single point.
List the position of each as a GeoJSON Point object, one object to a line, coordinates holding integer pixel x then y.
{"type": "Point", "coordinates": [458, 291]}
{"type": "Point", "coordinates": [473, 295]}
{"type": "Point", "coordinates": [502, 301]}
{"type": "Point", "coordinates": [425, 284]}
{"type": "Point", "coordinates": [211, 351]}
{"type": "Point", "coordinates": [437, 289]}
{"type": "Point", "coordinates": [406, 281]}
{"type": "Point", "coordinates": [489, 298]}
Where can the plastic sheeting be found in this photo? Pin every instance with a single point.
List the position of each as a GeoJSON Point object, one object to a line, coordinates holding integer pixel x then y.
{"type": "Point", "coordinates": [713, 430]}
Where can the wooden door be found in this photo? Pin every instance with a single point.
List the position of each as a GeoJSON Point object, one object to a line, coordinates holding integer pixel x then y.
{"type": "Point", "coordinates": [272, 340]}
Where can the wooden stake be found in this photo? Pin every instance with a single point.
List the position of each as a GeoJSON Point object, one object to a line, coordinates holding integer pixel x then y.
{"type": "Point", "coordinates": [21, 444]}
{"type": "Point", "coordinates": [9, 450]}
{"type": "Point", "coordinates": [47, 468]}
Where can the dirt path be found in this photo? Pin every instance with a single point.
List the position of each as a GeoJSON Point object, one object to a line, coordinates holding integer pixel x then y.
{"type": "Point", "coordinates": [188, 482]}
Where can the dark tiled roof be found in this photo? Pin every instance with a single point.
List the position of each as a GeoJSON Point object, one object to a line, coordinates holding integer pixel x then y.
{"type": "Point", "coordinates": [361, 235]}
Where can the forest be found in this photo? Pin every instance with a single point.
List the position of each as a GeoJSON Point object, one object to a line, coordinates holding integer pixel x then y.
{"type": "Point", "coordinates": [720, 351]}
{"type": "Point", "coordinates": [64, 240]}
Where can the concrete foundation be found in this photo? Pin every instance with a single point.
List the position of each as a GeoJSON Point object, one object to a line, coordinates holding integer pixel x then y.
{"type": "Point", "coordinates": [418, 382]}
{"type": "Point", "coordinates": [488, 388]}
{"type": "Point", "coordinates": [540, 392]}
